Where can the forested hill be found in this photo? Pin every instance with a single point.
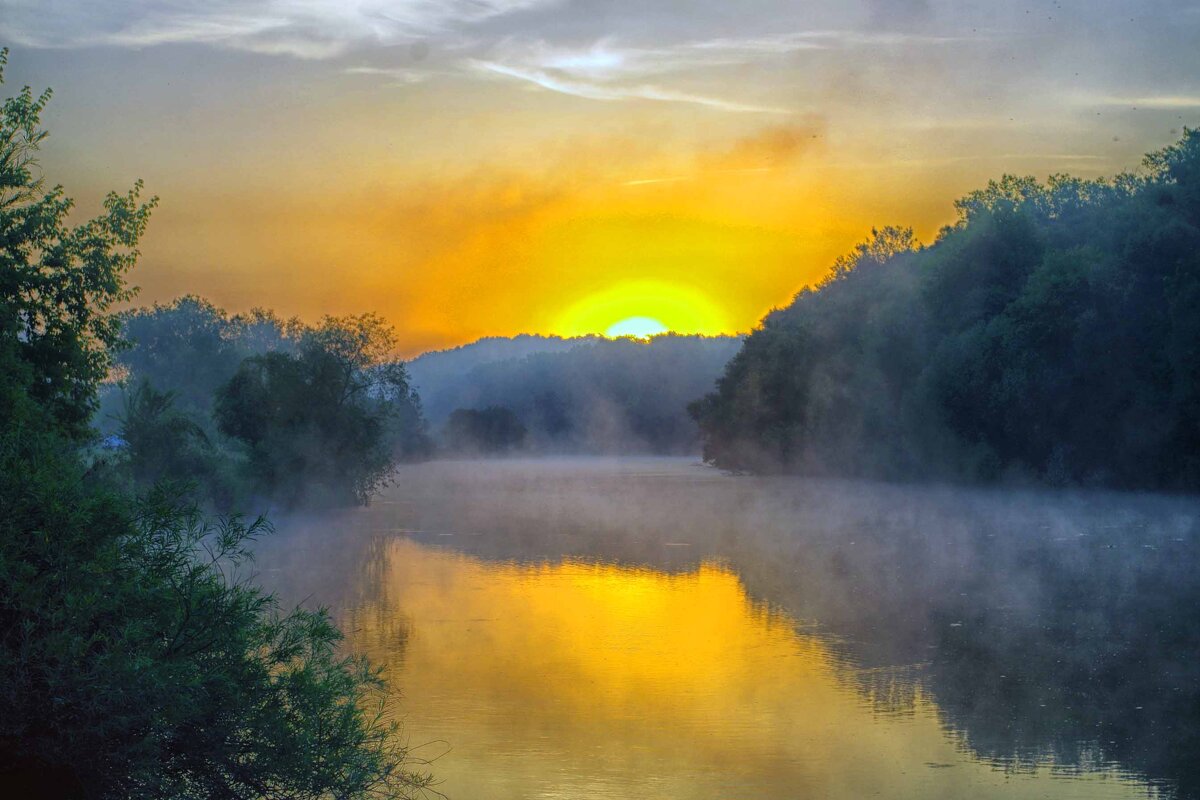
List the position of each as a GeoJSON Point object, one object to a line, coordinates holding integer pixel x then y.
{"type": "Point", "coordinates": [1051, 334]}
{"type": "Point", "coordinates": [586, 395]}
{"type": "Point", "coordinates": [442, 370]}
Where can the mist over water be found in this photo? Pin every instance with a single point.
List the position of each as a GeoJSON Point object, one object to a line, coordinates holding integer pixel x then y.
{"type": "Point", "coordinates": [652, 627]}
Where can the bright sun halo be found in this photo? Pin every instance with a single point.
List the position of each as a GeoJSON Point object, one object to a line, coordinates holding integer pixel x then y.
{"type": "Point", "coordinates": [640, 327]}
{"type": "Point", "coordinates": [642, 308]}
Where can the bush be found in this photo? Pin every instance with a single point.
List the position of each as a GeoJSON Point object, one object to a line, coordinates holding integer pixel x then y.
{"type": "Point", "coordinates": [135, 663]}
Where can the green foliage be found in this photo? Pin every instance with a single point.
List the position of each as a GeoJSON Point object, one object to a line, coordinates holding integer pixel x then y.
{"type": "Point", "coordinates": [1050, 335]}
{"type": "Point", "coordinates": [135, 661]}
{"type": "Point", "coordinates": [296, 413]}
{"type": "Point", "coordinates": [163, 443]}
{"type": "Point", "coordinates": [491, 430]}
{"type": "Point", "coordinates": [58, 282]}
{"type": "Point", "coordinates": [328, 423]}
{"type": "Point", "coordinates": [191, 348]}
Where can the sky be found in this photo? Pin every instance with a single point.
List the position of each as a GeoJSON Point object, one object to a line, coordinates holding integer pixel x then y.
{"type": "Point", "coordinates": [488, 167]}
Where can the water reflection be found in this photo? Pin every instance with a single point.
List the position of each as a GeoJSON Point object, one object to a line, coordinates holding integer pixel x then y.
{"type": "Point", "coordinates": [650, 628]}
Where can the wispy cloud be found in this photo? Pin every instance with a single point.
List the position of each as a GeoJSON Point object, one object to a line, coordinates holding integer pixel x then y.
{"type": "Point", "coordinates": [303, 28]}
{"type": "Point", "coordinates": [1145, 101]}
{"type": "Point", "coordinates": [607, 70]}
{"type": "Point", "coordinates": [399, 76]}
{"type": "Point", "coordinates": [596, 90]}
{"type": "Point", "coordinates": [783, 43]}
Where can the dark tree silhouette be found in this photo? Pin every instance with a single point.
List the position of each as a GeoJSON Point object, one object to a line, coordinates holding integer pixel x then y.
{"type": "Point", "coordinates": [1051, 334]}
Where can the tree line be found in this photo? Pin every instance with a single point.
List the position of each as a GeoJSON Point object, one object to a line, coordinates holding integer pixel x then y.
{"type": "Point", "coordinates": [203, 372]}
{"type": "Point", "coordinates": [252, 405]}
{"type": "Point", "coordinates": [1051, 334]}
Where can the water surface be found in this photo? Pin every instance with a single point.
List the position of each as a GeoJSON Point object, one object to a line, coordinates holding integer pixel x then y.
{"type": "Point", "coordinates": [595, 628]}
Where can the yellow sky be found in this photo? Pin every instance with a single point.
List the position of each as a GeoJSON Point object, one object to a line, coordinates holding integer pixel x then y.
{"type": "Point", "coordinates": [490, 168]}
{"type": "Point", "coordinates": [565, 238]}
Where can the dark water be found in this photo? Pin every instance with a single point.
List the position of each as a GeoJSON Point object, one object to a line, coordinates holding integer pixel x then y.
{"type": "Point", "coordinates": [654, 628]}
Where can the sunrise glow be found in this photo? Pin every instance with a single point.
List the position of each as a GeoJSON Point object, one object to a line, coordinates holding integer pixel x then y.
{"type": "Point", "coordinates": [484, 172]}
{"type": "Point", "coordinates": [638, 327]}
{"type": "Point", "coordinates": [642, 309]}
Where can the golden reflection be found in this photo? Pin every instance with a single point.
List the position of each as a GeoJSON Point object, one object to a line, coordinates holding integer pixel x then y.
{"type": "Point", "coordinates": [580, 680]}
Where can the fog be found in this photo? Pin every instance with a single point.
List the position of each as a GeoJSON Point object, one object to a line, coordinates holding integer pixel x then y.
{"type": "Point", "coordinates": [581, 395]}
{"type": "Point", "coordinates": [1045, 626]}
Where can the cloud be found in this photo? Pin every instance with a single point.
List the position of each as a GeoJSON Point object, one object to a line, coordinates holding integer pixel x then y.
{"type": "Point", "coordinates": [744, 48]}
{"type": "Point", "coordinates": [607, 72]}
{"type": "Point", "coordinates": [1145, 101]}
{"type": "Point", "coordinates": [771, 147]}
{"type": "Point", "coordinates": [556, 81]}
{"type": "Point", "coordinates": [302, 28]}
{"type": "Point", "coordinates": [765, 150]}
{"type": "Point", "coordinates": [399, 76]}
{"type": "Point", "coordinates": [892, 13]}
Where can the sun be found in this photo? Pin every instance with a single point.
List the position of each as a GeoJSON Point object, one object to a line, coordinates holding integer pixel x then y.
{"type": "Point", "coordinates": [640, 327]}
{"type": "Point", "coordinates": [642, 308]}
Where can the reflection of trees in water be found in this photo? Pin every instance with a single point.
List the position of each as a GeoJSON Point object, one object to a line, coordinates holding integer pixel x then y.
{"type": "Point", "coordinates": [339, 561]}
{"type": "Point", "coordinates": [890, 691]}
{"type": "Point", "coordinates": [1100, 664]}
{"type": "Point", "coordinates": [1039, 623]}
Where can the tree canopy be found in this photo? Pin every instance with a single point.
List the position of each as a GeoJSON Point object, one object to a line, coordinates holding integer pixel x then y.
{"type": "Point", "coordinates": [332, 418]}
{"type": "Point", "coordinates": [1051, 334]}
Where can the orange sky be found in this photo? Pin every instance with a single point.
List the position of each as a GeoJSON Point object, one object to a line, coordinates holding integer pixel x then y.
{"type": "Point", "coordinates": [471, 169]}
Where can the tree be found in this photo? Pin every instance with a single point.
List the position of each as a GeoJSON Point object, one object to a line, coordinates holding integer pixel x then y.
{"type": "Point", "coordinates": [591, 395]}
{"type": "Point", "coordinates": [58, 283]}
{"type": "Point", "coordinates": [134, 661]}
{"type": "Point", "coordinates": [164, 443]}
{"type": "Point", "coordinates": [328, 423]}
{"type": "Point", "coordinates": [1048, 335]}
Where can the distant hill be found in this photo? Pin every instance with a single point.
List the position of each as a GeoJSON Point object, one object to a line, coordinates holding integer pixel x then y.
{"type": "Point", "coordinates": [586, 395]}
{"type": "Point", "coordinates": [439, 370]}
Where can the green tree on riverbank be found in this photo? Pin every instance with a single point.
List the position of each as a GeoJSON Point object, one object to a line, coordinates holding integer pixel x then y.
{"type": "Point", "coordinates": [1051, 334]}
{"type": "Point", "coordinates": [134, 661]}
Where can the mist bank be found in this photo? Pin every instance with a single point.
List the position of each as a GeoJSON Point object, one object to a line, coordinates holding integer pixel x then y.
{"type": "Point", "coordinates": [1051, 335]}
{"type": "Point", "coordinates": [585, 395]}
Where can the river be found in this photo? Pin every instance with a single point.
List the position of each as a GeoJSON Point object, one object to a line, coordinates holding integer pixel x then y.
{"type": "Point", "coordinates": [654, 628]}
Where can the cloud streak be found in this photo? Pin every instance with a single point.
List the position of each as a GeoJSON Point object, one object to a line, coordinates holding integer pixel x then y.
{"type": "Point", "coordinates": [607, 71]}
{"type": "Point", "coordinates": [1165, 102]}
{"type": "Point", "coordinates": [302, 28]}
{"type": "Point", "coordinates": [596, 90]}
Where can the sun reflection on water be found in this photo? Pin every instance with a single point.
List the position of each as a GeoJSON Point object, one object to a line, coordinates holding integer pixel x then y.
{"type": "Point", "coordinates": [587, 680]}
